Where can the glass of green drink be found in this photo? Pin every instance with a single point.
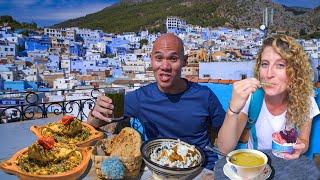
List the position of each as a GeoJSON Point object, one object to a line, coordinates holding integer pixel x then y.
{"type": "Point", "coordinates": [117, 96]}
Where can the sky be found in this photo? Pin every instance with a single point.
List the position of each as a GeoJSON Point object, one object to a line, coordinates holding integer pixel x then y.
{"type": "Point", "coordinates": [299, 3]}
{"type": "Point", "coordinates": [49, 12]}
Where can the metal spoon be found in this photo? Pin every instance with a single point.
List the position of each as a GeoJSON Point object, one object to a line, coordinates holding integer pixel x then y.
{"type": "Point", "coordinates": [265, 84]}
{"type": "Point", "coordinates": [220, 153]}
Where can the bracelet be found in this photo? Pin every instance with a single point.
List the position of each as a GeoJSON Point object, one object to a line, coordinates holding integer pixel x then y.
{"type": "Point", "coordinates": [234, 112]}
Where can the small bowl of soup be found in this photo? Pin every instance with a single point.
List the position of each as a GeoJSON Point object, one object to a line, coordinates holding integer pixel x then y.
{"type": "Point", "coordinates": [247, 163]}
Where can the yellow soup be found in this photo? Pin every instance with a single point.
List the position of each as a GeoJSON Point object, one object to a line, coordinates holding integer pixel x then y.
{"type": "Point", "coordinates": [246, 159]}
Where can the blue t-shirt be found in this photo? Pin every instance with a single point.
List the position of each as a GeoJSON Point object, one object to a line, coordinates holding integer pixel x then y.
{"type": "Point", "coordinates": [185, 116]}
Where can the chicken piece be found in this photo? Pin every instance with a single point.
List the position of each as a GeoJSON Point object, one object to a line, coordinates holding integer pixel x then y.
{"type": "Point", "coordinates": [38, 153]}
{"type": "Point", "coordinates": [72, 129]}
{"type": "Point", "coordinates": [43, 152]}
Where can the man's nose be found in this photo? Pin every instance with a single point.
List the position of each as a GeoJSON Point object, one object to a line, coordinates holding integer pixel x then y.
{"type": "Point", "coordinates": [165, 65]}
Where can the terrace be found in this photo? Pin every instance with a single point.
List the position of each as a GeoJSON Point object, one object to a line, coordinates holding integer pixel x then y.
{"type": "Point", "coordinates": [37, 107]}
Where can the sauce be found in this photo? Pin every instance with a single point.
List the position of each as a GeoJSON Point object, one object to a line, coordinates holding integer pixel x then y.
{"type": "Point", "coordinates": [247, 159]}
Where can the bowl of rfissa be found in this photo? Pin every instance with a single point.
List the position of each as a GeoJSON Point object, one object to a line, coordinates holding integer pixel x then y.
{"type": "Point", "coordinates": [247, 163]}
{"type": "Point", "coordinates": [172, 158]}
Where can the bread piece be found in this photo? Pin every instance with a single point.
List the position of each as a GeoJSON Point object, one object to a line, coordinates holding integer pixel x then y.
{"type": "Point", "coordinates": [124, 145]}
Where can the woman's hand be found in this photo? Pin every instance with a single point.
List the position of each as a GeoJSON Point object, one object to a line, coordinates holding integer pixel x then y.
{"type": "Point", "coordinates": [241, 91]}
{"type": "Point", "coordinates": [103, 108]}
{"type": "Point", "coordinates": [298, 149]}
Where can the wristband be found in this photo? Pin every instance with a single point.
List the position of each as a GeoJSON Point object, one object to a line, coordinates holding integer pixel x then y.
{"type": "Point", "coordinates": [234, 112]}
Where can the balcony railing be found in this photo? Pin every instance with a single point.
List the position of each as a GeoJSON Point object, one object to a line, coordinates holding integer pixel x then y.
{"type": "Point", "coordinates": [20, 106]}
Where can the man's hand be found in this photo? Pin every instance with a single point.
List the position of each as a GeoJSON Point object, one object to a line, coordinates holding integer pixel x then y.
{"type": "Point", "coordinates": [101, 111]}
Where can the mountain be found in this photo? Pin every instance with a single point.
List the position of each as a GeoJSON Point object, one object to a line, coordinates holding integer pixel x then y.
{"type": "Point", "coordinates": [127, 16]}
{"type": "Point", "coordinates": [8, 20]}
{"type": "Point", "coordinates": [136, 15]}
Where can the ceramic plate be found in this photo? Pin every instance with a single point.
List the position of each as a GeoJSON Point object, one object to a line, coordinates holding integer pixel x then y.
{"type": "Point", "coordinates": [231, 175]}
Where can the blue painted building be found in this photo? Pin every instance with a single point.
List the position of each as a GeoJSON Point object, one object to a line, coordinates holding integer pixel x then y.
{"type": "Point", "coordinates": [116, 72]}
{"type": "Point", "coordinates": [78, 65]}
{"type": "Point", "coordinates": [53, 63]}
{"type": "Point", "coordinates": [77, 50]}
{"type": "Point", "coordinates": [1, 83]}
{"type": "Point", "coordinates": [11, 101]}
{"type": "Point", "coordinates": [118, 46]}
{"type": "Point", "coordinates": [84, 66]}
{"type": "Point", "coordinates": [33, 44]}
{"type": "Point", "coordinates": [21, 86]}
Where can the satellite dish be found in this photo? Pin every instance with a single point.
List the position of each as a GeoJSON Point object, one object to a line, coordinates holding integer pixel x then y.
{"type": "Point", "coordinates": [262, 27]}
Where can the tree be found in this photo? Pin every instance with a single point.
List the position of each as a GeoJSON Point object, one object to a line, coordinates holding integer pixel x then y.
{"type": "Point", "coordinates": [302, 32]}
{"type": "Point", "coordinates": [143, 42]}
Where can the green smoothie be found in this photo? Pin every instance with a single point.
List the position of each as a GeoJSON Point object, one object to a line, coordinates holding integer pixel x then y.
{"type": "Point", "coordinates": [117, 96]}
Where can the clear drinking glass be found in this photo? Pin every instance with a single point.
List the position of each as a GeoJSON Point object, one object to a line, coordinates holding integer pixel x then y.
{"type": "Point", "coordinates": [117, 96]}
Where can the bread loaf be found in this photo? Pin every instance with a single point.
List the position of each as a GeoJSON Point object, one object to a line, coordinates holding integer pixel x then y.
{"type": "Point", "coordinates": [124, 145]}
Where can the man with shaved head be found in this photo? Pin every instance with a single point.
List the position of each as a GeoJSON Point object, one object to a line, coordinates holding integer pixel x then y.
{"type": "Point", "coordinates": [172, 107]}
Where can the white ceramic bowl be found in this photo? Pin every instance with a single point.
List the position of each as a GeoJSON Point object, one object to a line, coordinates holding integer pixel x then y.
{"type": "Point", "coordinates": [164, 172]}
{"type": "Point", "coordinates": [247, 172]}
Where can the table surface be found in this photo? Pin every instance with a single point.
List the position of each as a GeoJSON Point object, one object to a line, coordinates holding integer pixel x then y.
{"type": "Point", "coordinates": [17, 135]}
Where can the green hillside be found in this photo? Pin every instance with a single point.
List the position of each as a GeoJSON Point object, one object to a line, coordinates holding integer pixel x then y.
{"type": "Point", "coordinates": [137, 15]}
{"type": "Point", "coordinates": [149, 15]}
{"type": "Point", "coordinates": [15, 24]}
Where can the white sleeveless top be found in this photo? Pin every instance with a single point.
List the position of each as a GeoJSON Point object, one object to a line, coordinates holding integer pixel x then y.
{"type": "Point", "coordinates": [267, 123]}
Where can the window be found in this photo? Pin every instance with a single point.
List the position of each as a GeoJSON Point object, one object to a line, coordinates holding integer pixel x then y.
{"type": "Point", "coordinates": [243, 76]}
{"type": "Point", "coordinates": [206, 75]}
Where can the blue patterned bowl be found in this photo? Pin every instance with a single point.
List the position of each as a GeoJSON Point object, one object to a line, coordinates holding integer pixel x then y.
{"type": "Point", "coordinates": [165, 172]}
{"type": "Point", "coordinates": [286, 147]}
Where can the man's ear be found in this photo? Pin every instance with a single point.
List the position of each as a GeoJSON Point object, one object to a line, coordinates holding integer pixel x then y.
{"type": "Point", "coordinates": [185, 60]}
{"type": "Point", "coordinates": [151, 62]}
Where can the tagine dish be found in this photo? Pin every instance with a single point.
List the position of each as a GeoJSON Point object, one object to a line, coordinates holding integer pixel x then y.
{"type": "Point", "coordinates": [69, 130]}
{"type": "Point", "coordinates": [48, 159]}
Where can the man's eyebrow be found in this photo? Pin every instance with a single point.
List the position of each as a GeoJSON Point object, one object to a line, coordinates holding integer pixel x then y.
{"type": "Point", "coordinates": [174, 54]}
{"type": "Point", "coordinates": [157, 52]}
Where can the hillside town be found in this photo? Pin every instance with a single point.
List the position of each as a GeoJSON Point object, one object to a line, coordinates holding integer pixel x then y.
{"type": "Point", "coordinates": [79, 59]}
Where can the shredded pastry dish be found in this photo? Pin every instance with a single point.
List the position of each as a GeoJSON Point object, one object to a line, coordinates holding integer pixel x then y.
{"type": "Point", "coordinates": [68, 130]}
{"type": "Point", "coordinates": [176, 155]}
{"type": "Point", "coordinates": [48, 157]}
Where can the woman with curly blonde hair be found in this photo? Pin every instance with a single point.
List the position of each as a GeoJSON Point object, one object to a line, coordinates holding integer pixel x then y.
{"type": "Point", "coordinates": [284, 73]}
